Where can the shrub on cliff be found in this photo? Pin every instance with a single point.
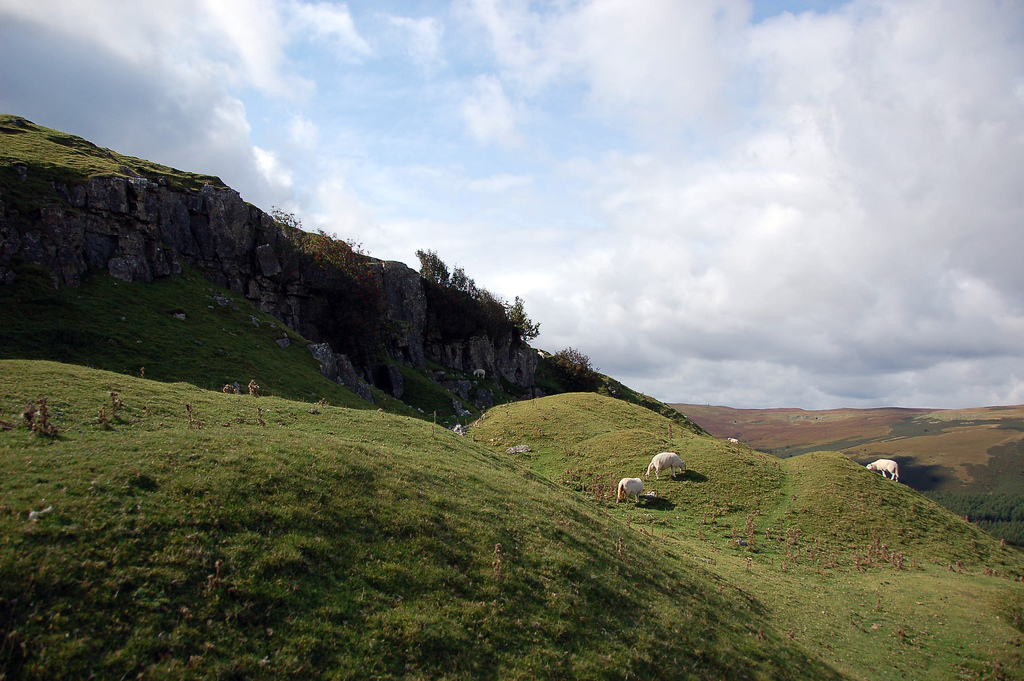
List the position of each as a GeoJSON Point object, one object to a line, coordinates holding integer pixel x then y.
{"type": "Point", "coordinates": [354, 304]}
{"type": "Point", "coordinates": [458, 308]}
{"type": "Point", "coordinates": [574, 371]}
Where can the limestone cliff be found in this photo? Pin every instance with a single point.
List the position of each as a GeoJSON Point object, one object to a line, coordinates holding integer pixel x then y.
{"type": "Point", "coordinates": [139, 228]}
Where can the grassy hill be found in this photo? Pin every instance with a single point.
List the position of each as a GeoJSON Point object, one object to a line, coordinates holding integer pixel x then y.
{"type": "Point", "coordinates": [281, 538]}
{"type": "Point", "coordinates": [864, 574]}
{"type": "Point", "coordinates": [345, 543]}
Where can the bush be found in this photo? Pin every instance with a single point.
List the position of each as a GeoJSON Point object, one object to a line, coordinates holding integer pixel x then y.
{"type": "Point", "coordinates": [352, 302]}
{"type": "Point", "coordinates": [458, 308]}
{"type": "Point", "coordinates": [516, 314]}
{"type": "Point", "coordinates": [573, 370]}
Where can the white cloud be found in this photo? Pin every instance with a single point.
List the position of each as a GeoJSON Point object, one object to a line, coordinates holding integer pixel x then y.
{"type": "Point", "coordinates": [340, 212]}
{"type": "Point", "coordinates": [518, 38]}
{"type": "Point", "coordinates": [422, 40]}
{"type": "Point", "coordinates": [659, 64]}
{"type": "Point", "coordinates": [854, 233]}
{"type": "Point", "coordinates": [489, 115]}
{"type": "Point", "coordinates": [236, 41]}
{"type": "Point", "coordinates": [303, 133]}
{"type": "Point", "coordinates": [330, 23]}
{"type": "Point", "coordinates": [272, 169]}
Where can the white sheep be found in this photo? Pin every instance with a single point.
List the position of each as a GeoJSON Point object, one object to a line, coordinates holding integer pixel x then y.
{"type": "Point", "coordinates": [665, 460]}
{"type": "Point", "coordinates": [480, 373]}
{"type": "Point", "coordinates": [36, 515]}
{"type": "Point", "coordinates": [884, 466]}
{"type": "Point", "coordinates": [628, 487]}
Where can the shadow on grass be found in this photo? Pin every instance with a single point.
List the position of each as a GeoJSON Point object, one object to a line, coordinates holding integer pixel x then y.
{"type": "Point", "coordinates": [657, 503]}
{"type": "Point", "coordinates": [690, 476]}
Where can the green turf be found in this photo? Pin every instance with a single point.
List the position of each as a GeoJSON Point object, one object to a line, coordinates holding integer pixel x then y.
{"type": "Point", "coordinates": [862, 573]}
{"type": "Point", "coordinates": [49, 155]}
{"type": "Point", "coordinates": [136, 328]}
{"type": "Point", "coordinates": [341, 544]}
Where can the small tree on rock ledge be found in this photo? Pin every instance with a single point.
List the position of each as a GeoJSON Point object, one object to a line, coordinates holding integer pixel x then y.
{"type": "Point", "coordinates": [523, 324]}
{"type": "Point", "coordinates": [574, 371]}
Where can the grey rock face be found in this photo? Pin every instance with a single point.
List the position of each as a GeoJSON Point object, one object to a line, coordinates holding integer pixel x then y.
{"type": "Point", "coordinates": [406, 308]}
{"type": "Point", "coordinates": [515, 364]}
{"type": "Point", "coordinates": [389, 378]}
{"type": "Point", "coordinates": [340, 370]}
{"type": "Point", "coordinates": [484, 399]}
{"type": "Point", "coordinates": [140, 230]}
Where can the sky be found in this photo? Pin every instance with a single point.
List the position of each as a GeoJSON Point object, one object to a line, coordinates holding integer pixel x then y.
{"type": "Point", "coordinates": [796, 203]}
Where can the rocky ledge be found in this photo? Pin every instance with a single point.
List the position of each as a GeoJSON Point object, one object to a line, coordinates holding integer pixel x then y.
{"type": "Point", "coordinates": [139, 229]}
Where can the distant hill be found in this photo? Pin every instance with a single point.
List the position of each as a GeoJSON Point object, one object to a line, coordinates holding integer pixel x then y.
{"type": "Point", "coordinates": [962, 450]}
{"type": "Point", "coordinates": [969, 460]}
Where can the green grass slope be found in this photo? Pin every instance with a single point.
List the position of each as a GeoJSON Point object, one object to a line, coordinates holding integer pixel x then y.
{"type": "Point", "coordinates": [132, 328]}
{"type": "Point", "coordinates": [277, 542]}
{"type": "Point", "coordinates": [588, 443]}
{"type": "Point", "coordinates": [863, 574]}
{"type": "Point", "coordinates": [838, 499]}
{"type": "Point", "coordinates": [54, 156]}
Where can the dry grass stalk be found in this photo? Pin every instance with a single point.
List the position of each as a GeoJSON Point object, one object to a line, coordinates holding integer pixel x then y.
{"type": "Point", "coordinates": [498, 562]}
{"type": "Point", "coordinates": [116, 403]}
{"type": "Point", "coordinates": [193, 423]}
{"type": "Point", "coordinates": [37, 418]}
{"type": "Point", "coordinates": [213, 580]}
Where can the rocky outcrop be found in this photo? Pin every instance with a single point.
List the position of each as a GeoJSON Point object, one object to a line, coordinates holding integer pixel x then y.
{"type": "Point", "coordinates": [406, 310]}
{"type": "Point", "coordinates": [140, 229]}
{"type": "Point", "coordinates": [515, 363]}
{"type": "Point", "coordinates": [338, 368]}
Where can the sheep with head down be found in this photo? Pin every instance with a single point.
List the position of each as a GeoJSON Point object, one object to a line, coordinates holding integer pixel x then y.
{"type": "Point", "coordinates": [630, 487]}
{"type": "Point", "coordinates": [884, 466]}
{"type": "Point", "coordinates": [665, 460]}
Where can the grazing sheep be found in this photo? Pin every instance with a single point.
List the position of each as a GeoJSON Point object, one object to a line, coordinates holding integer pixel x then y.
{"type": "Point", "coordinates": [665, 460]}
{"type": "Point", "coordinates": [628, 487]}
{"type": "Point", "coordinates": [884, 466]}
{"type": "Point", "coordinates": [36, 515]}
{"type": "Point", "coordinates": [480, 373]}
{"type": "Point", "coordinates": [734, 440]}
